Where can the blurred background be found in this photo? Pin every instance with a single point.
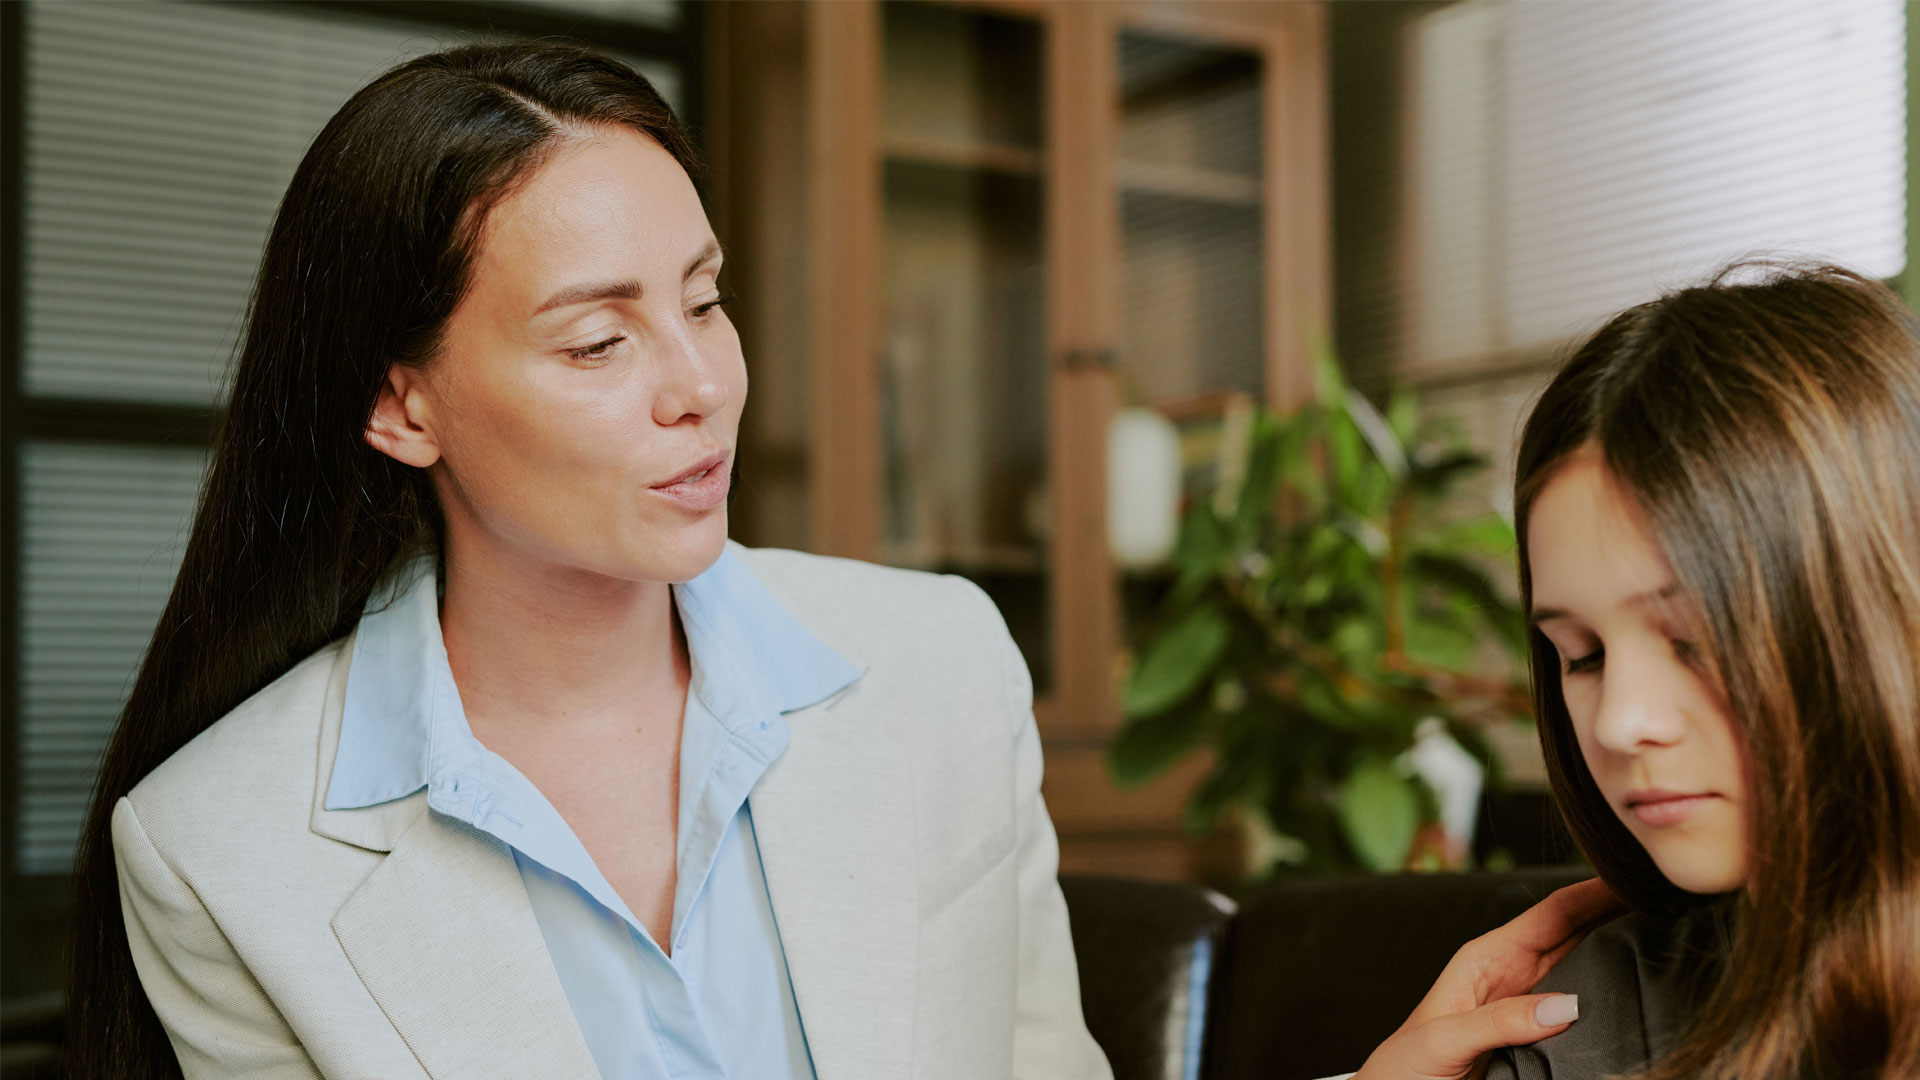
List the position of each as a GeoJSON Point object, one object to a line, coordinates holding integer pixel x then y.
{"type": "Point", "coordinates": [1197, 333]}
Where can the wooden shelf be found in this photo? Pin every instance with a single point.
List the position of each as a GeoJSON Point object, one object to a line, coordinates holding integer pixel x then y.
{"type": "Point", "coordinates": [1195, 185]}
{"type": "Point", "coordinates": [958, 154]}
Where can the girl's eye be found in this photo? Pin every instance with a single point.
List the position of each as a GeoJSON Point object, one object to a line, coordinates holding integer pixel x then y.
{"type": "Point", "coordinates": [1686, 652]}
{"type": "Point", "coordinates": [701, 311]}
{"type": "Point", "coordinates": [1581, 665]}
{"type": "Point", "coordinates": [596, 352]}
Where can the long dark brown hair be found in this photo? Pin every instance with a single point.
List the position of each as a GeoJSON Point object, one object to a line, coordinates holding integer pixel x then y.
{"type": "Point", "coordinates": [1768, 424]}
{"type": "Point", "coordinates": [367, 258]}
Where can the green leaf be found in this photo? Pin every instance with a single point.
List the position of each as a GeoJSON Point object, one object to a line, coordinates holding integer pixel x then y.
{"type": "Point", "coordinates": [1379, 814]}
{"type": "Point", "coordinates": [1175, 663]}
{"type": "Point", "coordinates": [1379, 435]}
{"type": "Point", "coordinates": [1265, 467]}
{"type": "Point", "coordinates": [1234, 780]}
{"type": "Point", "coordinates": [1147, 745]}
{"type": "Point", "coordinates": [1320, 700]}
{"type": "Point", "coordinates": [1441, 641]}
{"type": "Point", "coordinates": [1343, 448]}
{"type": "Point", "coordinates": [1486, 534]}
{"type": "Point", "coordinates": [1435, 477]}
{"type": "Point", "coordinates": [1329, 381]}
{"type": "Point", "coordinates": [1403, 415]}
{"type": "Point", "coordinates": [1197, 551]}
{"type": "Point", "coordinates": [1471, 586]}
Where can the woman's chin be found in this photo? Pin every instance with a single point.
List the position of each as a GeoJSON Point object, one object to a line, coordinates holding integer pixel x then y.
{"type": "Point", "coordinates": [1706, 875]}
{"type": "Point", "coordinates": [683, 553]}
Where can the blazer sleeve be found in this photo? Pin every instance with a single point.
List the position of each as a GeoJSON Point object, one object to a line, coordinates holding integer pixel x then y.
{"type": "Point", "coordinates": [221, 1022]}
{"type": "Point", "coordinates": [1050, 1038]}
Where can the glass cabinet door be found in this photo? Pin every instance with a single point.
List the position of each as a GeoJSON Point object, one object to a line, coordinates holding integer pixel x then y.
{"type": "Point", "coordinates": [963, 305]}
{"type": "Point", "coordinates": [1188, 151]}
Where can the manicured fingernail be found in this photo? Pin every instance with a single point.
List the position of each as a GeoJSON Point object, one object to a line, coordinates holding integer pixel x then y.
{"type": "Point", "coordinates": [1556, 1010]}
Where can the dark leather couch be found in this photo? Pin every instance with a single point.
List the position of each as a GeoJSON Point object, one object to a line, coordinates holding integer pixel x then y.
{"type": "Point", "coordinates": [1302, 979]}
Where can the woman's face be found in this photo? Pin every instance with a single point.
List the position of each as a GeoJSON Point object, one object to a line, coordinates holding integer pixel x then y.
{"type": "Point", "coordinates": [583, 409]}
{"type": "Point", "coordinates": [1653, 728]}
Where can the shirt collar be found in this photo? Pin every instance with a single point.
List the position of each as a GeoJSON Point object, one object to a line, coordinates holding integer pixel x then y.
{"type": "Point", "coordinates": [400, 685]}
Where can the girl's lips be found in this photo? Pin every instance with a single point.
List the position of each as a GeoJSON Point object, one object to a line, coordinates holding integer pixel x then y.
{"type": "Point", "coordinates": [1665, 809]}
{"type": "Point", "coordinates": [703, 494]}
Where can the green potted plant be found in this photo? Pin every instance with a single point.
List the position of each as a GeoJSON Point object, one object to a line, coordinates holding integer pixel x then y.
{"type": "Point", "coordinates": [1327, 598]}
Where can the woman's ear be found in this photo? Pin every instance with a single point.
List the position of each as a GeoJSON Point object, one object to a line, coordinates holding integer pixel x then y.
{"type": "Point", "coordinates": [399, 427]}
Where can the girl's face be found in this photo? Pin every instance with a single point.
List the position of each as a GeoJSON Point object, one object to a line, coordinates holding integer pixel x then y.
{"type": "Point", "coordinates": [1653, 727]}
{"type": "Point", "coordinates": [583, 409]}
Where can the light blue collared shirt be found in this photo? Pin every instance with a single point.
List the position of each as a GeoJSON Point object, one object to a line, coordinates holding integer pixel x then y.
{"type": "Point", "coordinates": [722, 1005]}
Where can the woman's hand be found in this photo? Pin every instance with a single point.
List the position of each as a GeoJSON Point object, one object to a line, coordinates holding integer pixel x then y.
{"type": "Point", "coordinates": [1480, 1002]}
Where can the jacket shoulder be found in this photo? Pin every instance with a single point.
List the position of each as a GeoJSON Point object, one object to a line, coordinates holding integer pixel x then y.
{"type": "Point", "coordinates": [875, 603]}
{"type": "Point", "coordinates": [265, 750]}
{"type": "Point", "coordinates": [1646, 976]}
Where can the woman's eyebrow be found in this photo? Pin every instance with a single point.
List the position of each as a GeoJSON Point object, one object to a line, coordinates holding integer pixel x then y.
{"type": "Point", "coordinates": [1654, 596]}
{"type": "Point", "coordinates": [707, 254]}
{"type": "Point", "coordinates": [623, 290]}
{"type": "Point", "coordinates": [1644, 599]}
{"type": "Point", "coordinates": [580, 294]}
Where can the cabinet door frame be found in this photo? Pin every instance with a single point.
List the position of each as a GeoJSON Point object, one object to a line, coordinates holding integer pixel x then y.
{"type": "Point", "coordinates": [1084, 261]}
{"type": "Point", "coordinates": [1082, 253]}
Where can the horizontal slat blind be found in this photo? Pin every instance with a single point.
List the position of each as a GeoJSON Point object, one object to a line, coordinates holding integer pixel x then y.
{"type": "Point", "coordinates": [160, 138]}
{"type": "Point", "coordinates": [1574, 159]}
{"type": "Point", "coordinates": [664, 14]}
{"type": "Point", "coordinates": [103, 530]}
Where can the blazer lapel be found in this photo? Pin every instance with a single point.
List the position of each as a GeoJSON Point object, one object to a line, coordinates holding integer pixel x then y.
{"type": "Point", "coordinates": [834, 819]}
{"type": "Point", "coordinates": [443, 937]}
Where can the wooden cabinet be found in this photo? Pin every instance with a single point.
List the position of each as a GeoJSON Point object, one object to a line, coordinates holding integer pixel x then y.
{"type": "Point", "coordinates": [1019, 217]}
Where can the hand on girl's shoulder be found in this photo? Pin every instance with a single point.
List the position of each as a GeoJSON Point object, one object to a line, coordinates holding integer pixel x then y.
{"type": "Point", "coordinates": [1640, 978]}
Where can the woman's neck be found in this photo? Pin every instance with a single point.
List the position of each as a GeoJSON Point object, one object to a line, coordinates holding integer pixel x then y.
{"type": "Point", "coordinates": [540, 644]}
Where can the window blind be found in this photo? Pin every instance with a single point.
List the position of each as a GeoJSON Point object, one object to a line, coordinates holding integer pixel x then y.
{"type": "Point", "coordinates": [160, 138]}
{"type": "Point", "coordinates": [660, 13]}
{"type": "Point", "coordinates": [1570, 160]}
{"type": "Point", "coordinates": [103, 529]}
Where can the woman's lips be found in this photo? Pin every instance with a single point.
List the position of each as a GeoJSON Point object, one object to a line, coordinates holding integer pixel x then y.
{"type": "Point", "coordinates": [702, 494]}
{"type": "Point", "coordinates": [1660, 809]}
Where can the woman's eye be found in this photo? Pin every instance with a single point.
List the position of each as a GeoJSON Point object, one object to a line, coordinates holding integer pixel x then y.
{"type": "Point", "coordinates": [701, 311]}
{"type": "Point", "coordinates": [595, 352]}
{"type": "Point", "coordinates": [1685, 652]}
{"type": "Point", "coordinates": [1581, 665]}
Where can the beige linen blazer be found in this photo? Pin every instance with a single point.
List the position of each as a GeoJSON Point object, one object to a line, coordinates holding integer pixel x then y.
{"type": "Point", "coordinates": [908, 854]}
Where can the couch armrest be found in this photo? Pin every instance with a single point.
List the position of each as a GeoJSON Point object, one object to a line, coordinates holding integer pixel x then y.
{"type": "Point", "coordinates": [1146, 952]}
{"type": "Point", "coordinates": [1316, 972]}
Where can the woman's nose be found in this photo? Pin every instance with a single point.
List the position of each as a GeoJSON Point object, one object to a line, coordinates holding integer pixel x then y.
{"type": "Point", "coordinates": [692, 385]}
{"type": "Point", "coordinates": [1639, 705]}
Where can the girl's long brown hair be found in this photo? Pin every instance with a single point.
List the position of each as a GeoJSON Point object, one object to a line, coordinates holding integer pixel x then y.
{"type": "Point", "coordinates": [1768, 423]}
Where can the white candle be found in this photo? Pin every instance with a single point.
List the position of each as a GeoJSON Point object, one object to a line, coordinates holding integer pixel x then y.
{"type": "Point", "coordinates": [1143, 487]}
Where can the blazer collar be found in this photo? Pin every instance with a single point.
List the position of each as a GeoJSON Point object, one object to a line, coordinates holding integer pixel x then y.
{"type": "Point", "coordinates": [399, 686]}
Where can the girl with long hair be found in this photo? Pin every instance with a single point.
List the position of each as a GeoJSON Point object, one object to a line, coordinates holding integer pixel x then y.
{"type": "Point", "coordinates": [469, 746]}
{"type": "Point", "coordinates": [1718, 506]}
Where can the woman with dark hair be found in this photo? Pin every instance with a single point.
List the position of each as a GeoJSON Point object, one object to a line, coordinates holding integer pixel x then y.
{"type": "Point", "coordinates": [1718, 502]}
{"type": "Point", "coordinates": [468, 745]}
